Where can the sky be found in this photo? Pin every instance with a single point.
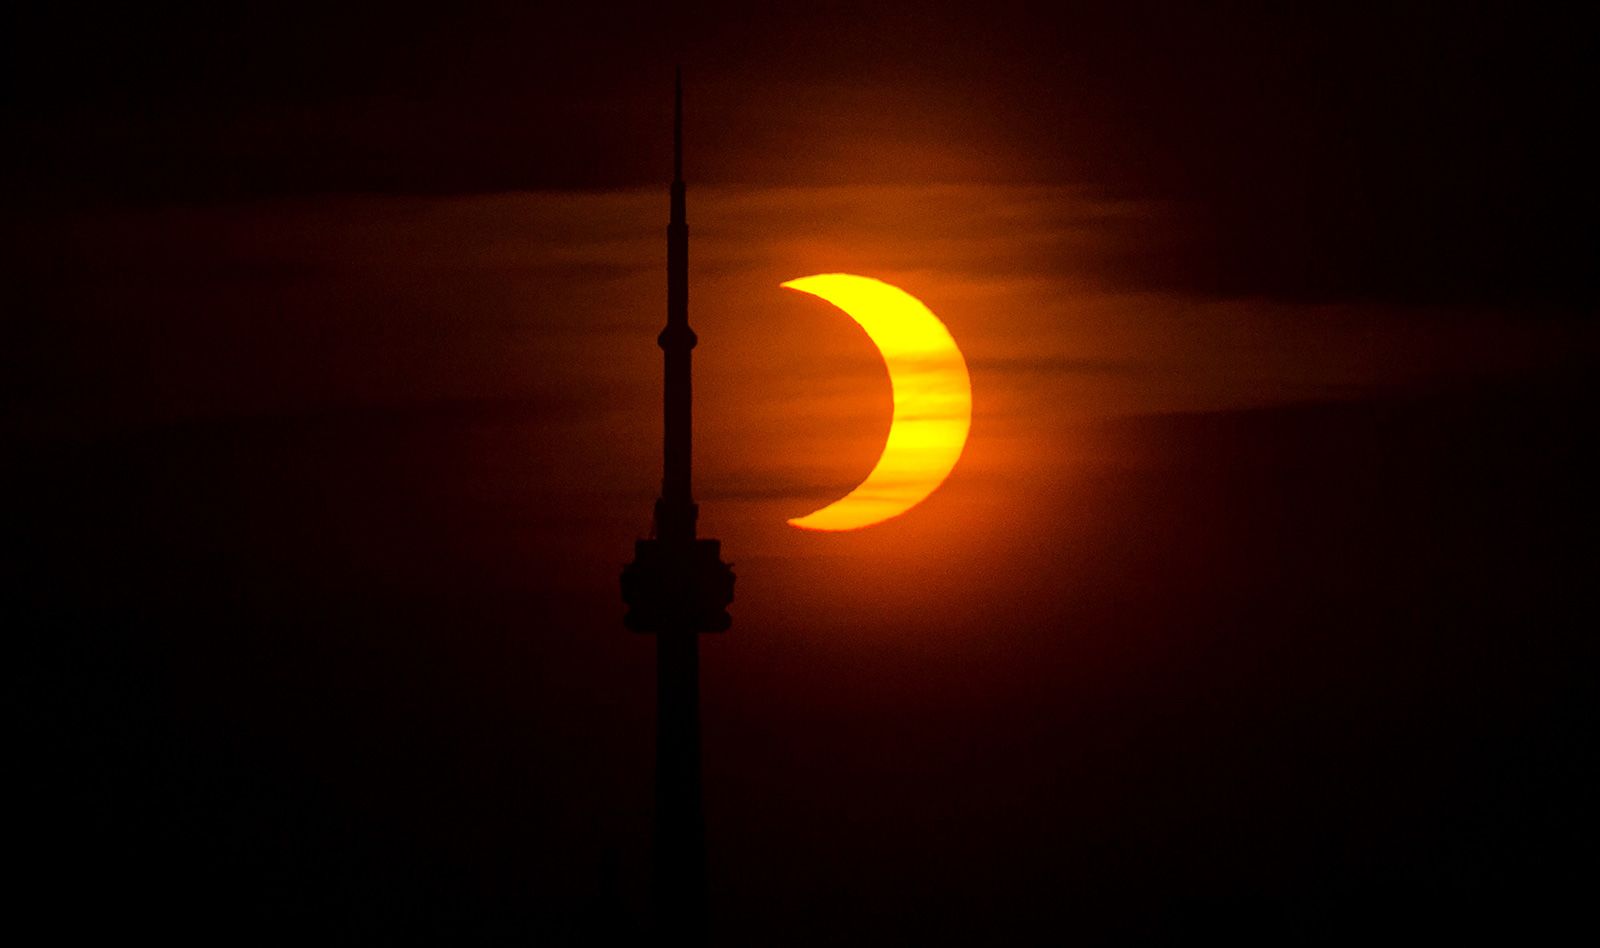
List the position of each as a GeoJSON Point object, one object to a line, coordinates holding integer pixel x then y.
{"type": "Point", "coordinates": [1253, 604]}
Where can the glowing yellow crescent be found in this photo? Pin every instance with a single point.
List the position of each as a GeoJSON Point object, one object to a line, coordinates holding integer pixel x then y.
{"type": "Point", "coordinates": [932, 400]}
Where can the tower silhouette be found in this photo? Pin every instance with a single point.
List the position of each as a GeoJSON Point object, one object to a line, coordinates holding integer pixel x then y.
{"type": "Point", "coordinates": [676, 588]}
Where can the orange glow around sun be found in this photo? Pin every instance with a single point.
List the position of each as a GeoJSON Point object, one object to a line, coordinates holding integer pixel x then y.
{"type": "Point", "coordinates": [932, 400]}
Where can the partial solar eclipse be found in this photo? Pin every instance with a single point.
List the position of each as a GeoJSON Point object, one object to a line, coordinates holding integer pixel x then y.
{"type": "Point", "coordinates": [932, 400]}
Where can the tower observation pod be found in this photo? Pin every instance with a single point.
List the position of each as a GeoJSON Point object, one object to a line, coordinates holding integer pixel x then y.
{"type": "Point", "coordinates": [676, 588]}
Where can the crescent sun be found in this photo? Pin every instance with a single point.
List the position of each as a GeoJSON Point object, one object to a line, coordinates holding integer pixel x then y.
{"type": "Point", "coordinates": [932, 400]}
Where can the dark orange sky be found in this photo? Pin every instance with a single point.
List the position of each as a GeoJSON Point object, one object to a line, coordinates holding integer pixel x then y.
{"type": "Point", "coordinates": [1418, 150]}
{"type": "Point", "coordinates": [1255, 605]}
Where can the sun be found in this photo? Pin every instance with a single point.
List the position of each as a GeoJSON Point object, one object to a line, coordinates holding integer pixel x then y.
{"type": "Point", "coordinates": [932, 400]}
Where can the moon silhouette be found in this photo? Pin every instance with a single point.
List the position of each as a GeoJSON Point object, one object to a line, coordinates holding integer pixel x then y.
{"type": "Point", "coordinates": [932, 400]}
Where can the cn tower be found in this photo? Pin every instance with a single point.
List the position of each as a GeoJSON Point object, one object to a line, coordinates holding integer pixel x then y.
{"type": "Point", "coordinates": [676, 588]}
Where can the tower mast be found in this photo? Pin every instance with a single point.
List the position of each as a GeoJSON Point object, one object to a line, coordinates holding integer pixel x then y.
{"type": "Point", "coordinates": [676, 511]}
{"type": "Point", "coordinates": [676, 588]}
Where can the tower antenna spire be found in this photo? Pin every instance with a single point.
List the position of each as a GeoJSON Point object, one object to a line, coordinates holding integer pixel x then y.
{"type": "Point", "coordinates": [677, 125]}
{"type": "Point", "coordinates": [676, 510]}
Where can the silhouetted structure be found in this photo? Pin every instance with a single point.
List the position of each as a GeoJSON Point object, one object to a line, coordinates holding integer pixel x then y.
{"type": "Point", "coordinates": [676, 588]}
